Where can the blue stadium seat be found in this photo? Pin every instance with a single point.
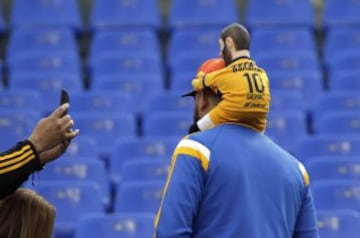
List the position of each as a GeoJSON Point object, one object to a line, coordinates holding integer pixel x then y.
{"type": "Point", "coordinates": [33, 41]}
{"type": "Point", "coordinates": [201, 14]}
{"type": "Point", "coordinates": [337, 194]}
{"type": "Point", "coordinates": [274, 40]}
{"type": "Point", "coordinates": [334, 102]}
{"type": "Point", "coordinates": [333, 168]}
{"type": "Point", "coordinates": [3, 26]}
{"type": "Point", "coordinates": [125, 64]}
{"type": "Point", "coordinates": [166, 124]}
{"type": "Point", "coordinates": [340, 123]}
{"type": "Point", "coordinates": [327, 145]}
{"type": "Point", "coordinates": [119, 41]}
{"type": "Point", "coordinates": [21, 99]}
{"type": "Point", "coordinates": [125, 149]}
{"type": "Point", "coordinates": [286, 100]}
{"type": "Point", "coordinates": [288, 61]}
{"type": "Point", "coordinates": [72, 200]}
{"type": "Point", "coordinates": [308, 84]}
{"type": "Point", "coordinates": [15, 125]}
{"type": "Point", "coordinates": [203, 41]}
{"type": "Point", "coordinates": [125, 14]}
{"type": "Point", "coordinates": [346, 60]}
{"type": "Point", "coordinates": [144, 170]}
{"type": "Point", "coordinates": [39, 13]}
{"type": "Point", "coordinates": [105, 128]}
{"type": "Point", "coordinates": [284, 13]}
{"type": "Point", "coordinates": [45, 62]}
{"type": "Point", "coordinates": [344, 80]}
{"type": "Point", "coordinates": [124, 225]}
{"type": "Point", "coordinates": [47, 85]}
{"type": "Point", "coordinates": [81, 146]}
{"type": "Point", "coordinates": [341, 13]}
{"type": "Point", "coordinates": [77, 171]}
{"type": "Point", "coordinates": [168, 102]}
{"type": "Point", "coordinates": [97, 101]}
{"type": "Point", "coordinates": [286, 128]}
{"type": "Point", "coordinates": [333, 223]}
{"type": "Point", "coordinates": [338, 40]}
{"type": "Point", "coordinates": [182, 82]}
{"type": "Point", "coordinates": [138, 197]}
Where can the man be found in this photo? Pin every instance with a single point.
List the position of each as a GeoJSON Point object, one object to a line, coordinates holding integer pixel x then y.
{"type": "Point", "coordinates": [48, 141]}
{"type": "Point", "coordinates": [232, 181]}
{"type": "Point", "coordinates": [242, 85]}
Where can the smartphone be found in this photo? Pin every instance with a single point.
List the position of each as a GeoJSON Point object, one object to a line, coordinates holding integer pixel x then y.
{"type": "Point", "coordinates": [64, 98]}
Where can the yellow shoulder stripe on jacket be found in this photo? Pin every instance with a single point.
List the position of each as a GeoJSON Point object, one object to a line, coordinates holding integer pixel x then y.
{"type": "Point", "coordinates": [194, 149]}
{"type": "Point", "coordinates": [305, 174]}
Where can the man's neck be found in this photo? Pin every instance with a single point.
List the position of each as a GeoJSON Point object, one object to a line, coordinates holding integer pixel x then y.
{"type": "Point", "coordinates": [241, 53]}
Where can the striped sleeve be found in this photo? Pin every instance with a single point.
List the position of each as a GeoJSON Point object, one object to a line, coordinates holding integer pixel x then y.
{"type": "Point", "coordinates": [16, 164]}
{"type": "Point", "coordinates": [183, 189]}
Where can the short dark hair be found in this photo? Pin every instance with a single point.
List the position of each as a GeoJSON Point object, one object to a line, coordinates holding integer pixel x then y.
{"type": "Point", "coordinates": [239, 34]}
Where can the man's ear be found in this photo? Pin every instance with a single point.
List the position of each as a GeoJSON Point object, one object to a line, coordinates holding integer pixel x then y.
{"type": "Point", "coordinates": [229, 43]}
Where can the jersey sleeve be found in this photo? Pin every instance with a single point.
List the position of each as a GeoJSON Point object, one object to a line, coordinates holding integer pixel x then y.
{"type": "Point", "coordinates": [182, 192]}
{"type": "Point", "coordinates": [16, 164]}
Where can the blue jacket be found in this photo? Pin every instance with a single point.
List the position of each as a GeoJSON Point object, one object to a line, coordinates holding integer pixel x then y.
{"type": "Point", "coordinates": [233, 182]}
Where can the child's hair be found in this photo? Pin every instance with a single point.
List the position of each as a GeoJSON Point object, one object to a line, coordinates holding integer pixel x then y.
{"type": "Point", "coordinates": [25, 214]}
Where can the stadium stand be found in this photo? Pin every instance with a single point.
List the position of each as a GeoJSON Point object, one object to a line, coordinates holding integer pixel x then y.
{"type": "Point", "coordinates": [126, 62]}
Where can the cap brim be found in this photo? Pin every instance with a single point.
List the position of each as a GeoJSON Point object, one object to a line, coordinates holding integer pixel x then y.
{"type": "Point", "coordinates": [192, 93]}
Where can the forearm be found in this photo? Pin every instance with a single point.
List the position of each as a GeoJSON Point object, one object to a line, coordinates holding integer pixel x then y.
{"type": "Point", "coordinates": [16, 164]}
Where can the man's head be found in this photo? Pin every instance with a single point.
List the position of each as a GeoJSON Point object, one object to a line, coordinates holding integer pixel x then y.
{"type": "Point", "coordinates": [234, 41]}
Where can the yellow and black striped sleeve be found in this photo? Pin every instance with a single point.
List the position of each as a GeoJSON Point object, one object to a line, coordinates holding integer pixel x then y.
{"type": "Point", "coordinates": [16, 164]}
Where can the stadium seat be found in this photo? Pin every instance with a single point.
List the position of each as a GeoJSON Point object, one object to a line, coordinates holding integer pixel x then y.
{"type": "Point", "coordinates": [77, 171]}
{"type": "Point", "coordinates": [15, 125]}
{"type": "Point", "coordinates": [334, 223]}
{"type": "Point", "coordinates": [32, 41]}
{"type": "Point", "coordinates": [105, 128]}
{"type": "Point", "coordinates": [182, 82]}
{"type": "Point", "coordinates": [309, 84]}
{"type": "Point", "coordinates": [346, 60]}
{"type": "Point", "coordinates": [97, 101]}
{"type": "Point", "coordinates": [336, 194]}
{"type": "Point", "coordinates": [201, 14]}
{"type": "Point", "coordinates": [334, 102]}
{"type": "Point", "coordinates": [340, 123]}
{"type": "Point", "coordinates": [21, 100]}
{"type": "Point", "coordinates": [339, 40]}
{"type": "Point", "coordinates": [284, 13]}
{"type": "Point", "coordinates": [169, 102]}
{"type": "Point", "coordinates": [144, 170]}
{"type": "Point", "coordinates": [119, 41]}
{"type": "Point", "coordinates": [166, 124]}
{"type": "Point", "coordinates": [150, 147]}
{"type": "Point", "coordinates": [45, 62]}
{"type": "Point", "coordinates": [138, 197]}
{"type": "Point", "coordinates": [340, 14]}
{"type": "Point", "coordinates": [288, 61]}
{"type": "Point", "coordinates": [286, 128]}
{"type": "Point", "coordinates": [274, 40]}
{"type": "Point", "coordinates": [52, 13]}
{"type": "Point", "coordinates": [72, 200]}
{"type": "Point", "coordinates": [125, 64]}
{"type": "Point", "coordinates": [200, 41]}
{"type": "Point", "coordinates": [286, 100]}
{"type": "Point", "coordinates": [344, 80]}
{"type": "Point", "coordinates": [125, 14]}
{"type": "Point", "coordinates": [47, 85]}
{"type": "Point", "coordinates": [81, 146]}
{"type": "Point", "coordinates": [124, 225]}
{"type": "Point", "coordinates": [333, 168]}
{"type": "Point", "coordinates": [327, 145]}
{"type": "Point", "coordinates": [2, 22]}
